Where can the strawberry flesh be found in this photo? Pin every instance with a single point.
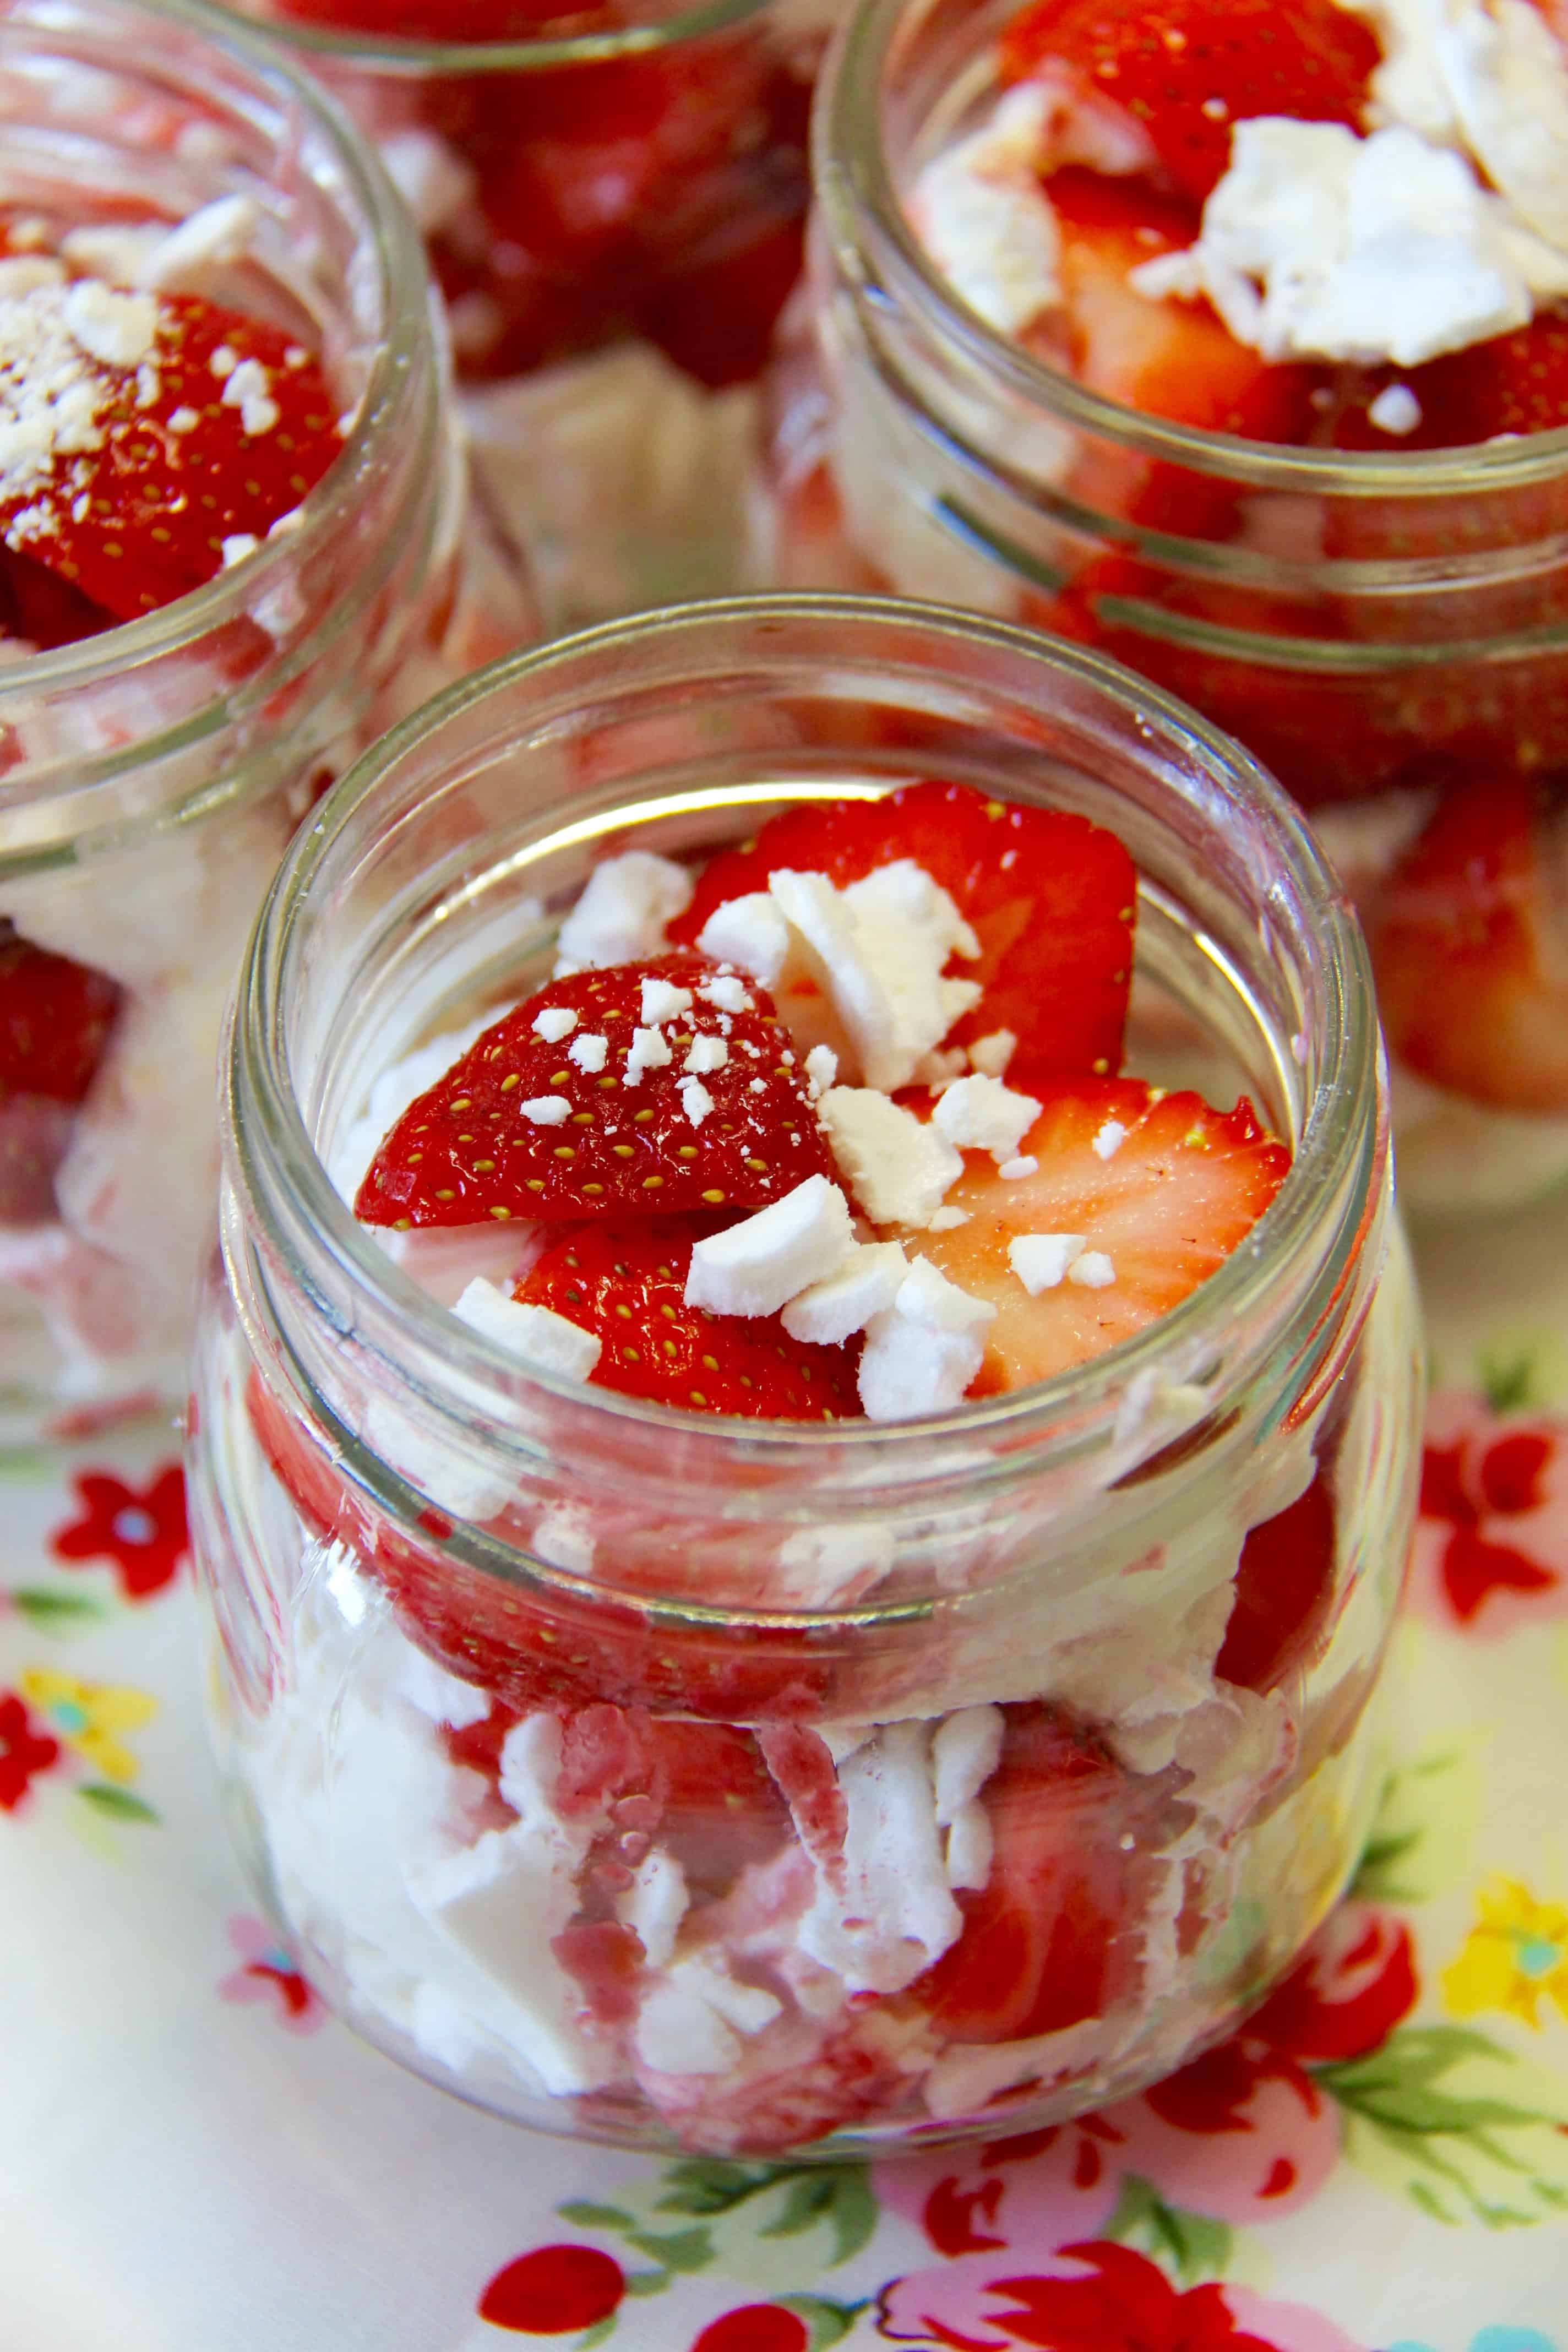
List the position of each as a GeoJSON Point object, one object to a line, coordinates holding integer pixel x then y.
{"type": "Point", "coordinates": [626, 1284]}
{"type": "Point", "coordinates": [1051, 896]}
{"type": "Point", "coordinates": [1185, 69]}
{"type": "Point", "coordinates": [468, 1149]}
{"type": "Point", "coordinates": [1284, 1586]}
{"type": "Point", "coordinates": [1040, 1950]}
{"type": "Point", "coordinates": [140, 519]}
{"type": "Point", "coordinates": [55, 1020]}
{"type": "Point", "coordinates": [1181, 1189]}
{"type": "Point", "coordinates": [1470, 944]}
{"type": "Point", "coordinates": [1515, 383]}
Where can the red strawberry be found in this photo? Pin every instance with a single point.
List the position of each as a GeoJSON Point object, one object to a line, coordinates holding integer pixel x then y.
{"type": "Point", "coordinates": [55, 1020]}
{"type": "Point", "coordinates": [142, 520]}
{"type": "Point", "coordinates": [1471, 945]}
{"type": "Point", "coordinates": [627, 1284]}
{"type": "Point", "coordinates": [1515, 383]}
{"type": "Point", "coordinates": [43, 610]}
{"type": "Point", "coordinates": [567, 1649]}
{"type": "Point", "coordinates": [1185, 69]}
{"type": "Point", "coordinates": [1051, 898]}
{"type": "Point", "coordinates": [1167, 1205]}
{"type": "Point", "coordinates": [1163, 358]}
{"type": "Point", "coordinates": [1047, 1940]}
{"type": "Point", "coordinates": [1284, 1583]}
{"type": "Point", "coordinates": [480, 1142]}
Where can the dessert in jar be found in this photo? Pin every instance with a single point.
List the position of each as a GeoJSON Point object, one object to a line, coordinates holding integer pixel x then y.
{"type": "Point", "coordinates": [799, 1512]}
{"type": "Point", "coordinates": [612, 195]}
{"type": "Point", "coordinates": [1234, 341]}
{"type": "Point", "coordinates": [229, 499]}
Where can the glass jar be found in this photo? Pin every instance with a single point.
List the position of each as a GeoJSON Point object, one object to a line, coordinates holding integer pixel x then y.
{"type": "Point", "coordinates": [152, 773]}
{"type": "Point", "coordinates": [612, 201]}
{"type": "Point", "coordinates": [529, 1739]}
{"type": "Point", "coordinates": [1379, 630]}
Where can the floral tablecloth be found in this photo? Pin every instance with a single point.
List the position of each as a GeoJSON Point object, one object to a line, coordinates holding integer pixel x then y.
{"type": "Point", "coordinates": [194, 2158]}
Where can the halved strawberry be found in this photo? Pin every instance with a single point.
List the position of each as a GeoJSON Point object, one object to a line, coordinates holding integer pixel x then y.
{"type": "Point", "coordinates": [1173, 1188]}
{"type": "Point", "coordinates": [1470, 947]}
{"type": "Point", "coordinates": [521, 1126]}
{"type": "Point", "coordinates": [184, 461]}
{"type": "Point", "coordinates": [1049, 1940]}
{"type": "Point", "coordinates": [626, 1284]}
{"type": "Point", "coordinates": [1284, 1583]}
{"type": "Point", "coordinates": [1185, 69]}
{"type": "Point", "coordinates": [55, 1020]}
{"type": "Point", "coordinates": [1052, 899]}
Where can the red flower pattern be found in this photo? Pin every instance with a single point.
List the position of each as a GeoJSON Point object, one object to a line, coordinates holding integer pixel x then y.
{"type": "Point", "coordinates": [553, 2291]}
{"type": "Point", "coordinates": [1243, 2134]}
{"type": "Point", "coordinates": [1111, 2299]}
{"type": "Point", "coordinates": [1491, 1549]}
{"type": "Point", "coordinates": [267, 1973]}
{"type": "Point", "coordinates": [144, 1531]}
{"type": "Point", "coordinates": [23, 1752]}
{"type": "Point", "coordinates": [758, 2327]}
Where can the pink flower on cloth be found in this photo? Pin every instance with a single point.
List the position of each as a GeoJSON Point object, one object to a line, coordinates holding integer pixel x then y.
{"type": "Point", "coordinates": [267, 1973]}
{"type": "Point", "coordinates": [1091, 2298]}
{"type": "Point", "coordinates": [1491, 1545]}
{"type": "Point", "coordinates": [142, 1530]}
{"type": "Point", "coordinates": [1242, 2135]}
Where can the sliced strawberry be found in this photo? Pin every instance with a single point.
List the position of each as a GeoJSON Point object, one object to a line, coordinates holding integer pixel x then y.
{"type": "Point", "coordinates": [55, 1020]}
{"type": "Point", "coordinates": [1471, 944]}
{"type": "Point", "coordinates": [1167, 1204]}
{"type": "Point", "coordinates": [626, 1284]}
{"type": "Point", "coordinates": [1515, 383]}
{"type": "Point", "coordinates": [1284, 1583]}
{"type": "Point", "coordinates": [141, 519]}
{"type": "Point", "coordinates": [1163, 358]}
{"type": "Point", "coordinates": [43, 610]}
{"type": "Point", "coordinates": [1052, 899]}
{"type": "Point", "coordinates": [485, 1140]}
{"type": "Point", "coordinates": [562, 1649]}
{"type": "Point", "coordinates": [1048, 1941]}
{"type": "Point", "coordinates": [1185, 69]}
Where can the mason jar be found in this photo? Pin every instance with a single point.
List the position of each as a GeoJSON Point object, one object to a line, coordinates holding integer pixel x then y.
{"type": "Point", "coordinates": [530, 1732]}
{"type": "Point", "coordinates": [612, 199]}
{"type": "Point", "coordinates": [1385, 631]}
{"type": "Point", "coordinates": [152, 772]}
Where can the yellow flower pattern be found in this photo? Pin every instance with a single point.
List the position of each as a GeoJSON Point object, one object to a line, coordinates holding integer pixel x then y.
{"type": "Point", "coordinates": [1516, 1953]}
{"type": "Point", "coordinates": [90, 1717]}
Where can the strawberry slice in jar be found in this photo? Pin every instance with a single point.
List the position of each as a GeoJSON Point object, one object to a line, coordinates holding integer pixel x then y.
{"type": "Point", "coordinates": [1231, 344]}
{"type": "Point", "coordinates": [613, 199]}
{"type": "Point", "coordinates": [819, 1578]}
{"type": "Point", "coordinates": [227, 544]}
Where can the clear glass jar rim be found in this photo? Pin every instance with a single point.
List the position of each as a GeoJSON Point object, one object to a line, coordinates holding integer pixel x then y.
{"type": "Point", "coordinates": [880, 257]}
{"type": "Point", "coordinates": [417, 60]}
{"type": "Point", "coordinates": [287, 1186]}
{"type": "Point", "coordinates": [381, 416]}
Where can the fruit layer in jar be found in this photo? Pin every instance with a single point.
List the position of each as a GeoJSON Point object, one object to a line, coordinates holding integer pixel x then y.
{"type": "Point", "coordinates": [827, 1130]}
{"type": "Point", "coordinates": [168, 425]}
{"type": "Point", "coordinates": [613, 202]}
{"type": "Point", "coordinates": [1328, 232]}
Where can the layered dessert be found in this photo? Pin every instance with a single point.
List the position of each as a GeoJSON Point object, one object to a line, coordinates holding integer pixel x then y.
{"type": "Point", "coordinates": [686, 1832]}
{"type": "Point", "coordinates": [1310, 268]}
{"type": "Point", "coordinates": [215, 584]}
{"type": "Point", "coordinates": [612, 199]}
